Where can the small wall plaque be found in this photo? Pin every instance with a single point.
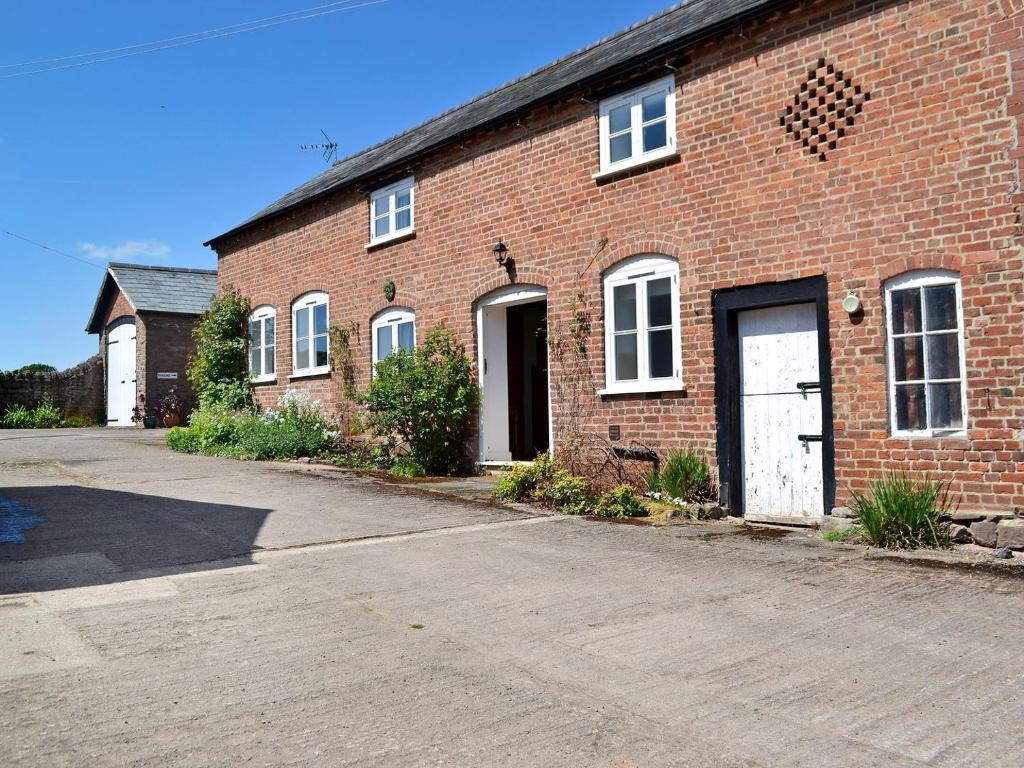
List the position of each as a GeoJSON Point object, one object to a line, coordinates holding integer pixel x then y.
{"type": "Point", "coordinates": [167, 375]}
{"type": "Point", "coordinates": [614, 432]}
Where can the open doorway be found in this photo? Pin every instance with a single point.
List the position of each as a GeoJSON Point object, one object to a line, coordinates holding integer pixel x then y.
{"type": "Point", "coordinates": [515, 414]}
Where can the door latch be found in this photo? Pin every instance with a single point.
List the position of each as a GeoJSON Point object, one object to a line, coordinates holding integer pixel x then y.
{"type": "Point", "coordinates": [805, 439]}
{"type": "Point", "coordinates": [803, 386]}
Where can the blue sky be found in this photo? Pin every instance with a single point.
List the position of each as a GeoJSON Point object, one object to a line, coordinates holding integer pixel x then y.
{"type": "Point", "coordinates": [142, 159]}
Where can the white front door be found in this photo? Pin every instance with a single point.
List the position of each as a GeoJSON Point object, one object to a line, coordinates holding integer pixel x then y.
{"type": "Point", "coordinates": [780, 412]}
{"type": "Point", "coordinates": [121, 375]}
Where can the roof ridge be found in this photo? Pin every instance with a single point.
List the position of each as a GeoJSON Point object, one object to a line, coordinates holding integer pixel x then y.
{"type": "Point", "coordinates": [509, 83]}
{"type": "Point", "coordinates": [156, 268]}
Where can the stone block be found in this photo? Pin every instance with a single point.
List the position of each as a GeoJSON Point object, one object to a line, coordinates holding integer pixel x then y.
{"type": "Point", "coordinates": [959, 534]}
{"type": "Point", "coordinates": [1010, 534]}
{"type": "Point", "coordinates": [984, 533]}
{"type": "Point", "coordinates": [844, 512]}
{"type": "Point", "coordinates": [966, 517]}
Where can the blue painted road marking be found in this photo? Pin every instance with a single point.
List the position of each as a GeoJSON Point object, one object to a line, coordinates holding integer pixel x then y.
{"type": "Point", "coordinates": [15, 520]}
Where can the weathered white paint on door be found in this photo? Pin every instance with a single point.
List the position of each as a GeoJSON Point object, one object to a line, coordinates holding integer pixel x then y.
{"type": "Point", "coordinates": [782, 475]}
{"type": "Point", "coordinates": [121, 375]}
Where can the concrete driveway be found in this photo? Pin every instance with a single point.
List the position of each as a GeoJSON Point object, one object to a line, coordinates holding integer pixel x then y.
{"type": "Point", "coordinates": [171, 610]}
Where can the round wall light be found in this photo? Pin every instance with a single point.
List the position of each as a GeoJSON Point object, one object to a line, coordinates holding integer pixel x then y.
{"type": "Point", "coordinates": [851, 303]}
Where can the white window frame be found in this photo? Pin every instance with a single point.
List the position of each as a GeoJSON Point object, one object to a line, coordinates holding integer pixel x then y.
{"type": "Point", "coordinates": [261, 315]}
{"type": "Point", "coordinates": [923, 279]}
{"type": "Point", "coordinates": [640, 270]}
{"type": "Point", "coordinates": [634, 99]}
{"type": "Point", "coordinates": [390, 193]}
{"type": "Point", "coordinates": [392, 317]}
{"type": "Point", "coordinates": [309, 301]}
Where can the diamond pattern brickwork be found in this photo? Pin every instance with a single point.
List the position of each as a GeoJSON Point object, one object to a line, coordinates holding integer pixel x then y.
{"type": "Point", "coordinates": [824, 109]}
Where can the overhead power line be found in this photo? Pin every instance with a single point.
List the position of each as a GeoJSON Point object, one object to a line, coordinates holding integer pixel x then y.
{"type": "Point", "coordinates": [54, 250]}
{"type": "Point", "coordinates": [112, 54]}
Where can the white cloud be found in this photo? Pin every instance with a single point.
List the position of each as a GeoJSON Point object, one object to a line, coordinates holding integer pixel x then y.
{"type": "Point", "coordinates": [129, 249]}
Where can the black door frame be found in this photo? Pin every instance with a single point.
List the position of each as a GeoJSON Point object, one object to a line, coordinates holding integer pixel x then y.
{"type": "Point", "coordinates": [726, 306]}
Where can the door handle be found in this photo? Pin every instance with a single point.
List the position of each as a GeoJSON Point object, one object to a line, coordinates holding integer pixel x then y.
{"type": "Point", "coordinates": [809, 438]}
{"type": "Point", "coordinates": [803, 386]}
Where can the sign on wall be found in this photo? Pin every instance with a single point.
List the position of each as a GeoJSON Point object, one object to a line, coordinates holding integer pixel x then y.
{"type": "Point", "coordinates": [167, 375]}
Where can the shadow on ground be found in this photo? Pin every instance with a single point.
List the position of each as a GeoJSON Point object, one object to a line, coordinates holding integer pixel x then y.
{"type": "Point", "coordinates": [62, 536]}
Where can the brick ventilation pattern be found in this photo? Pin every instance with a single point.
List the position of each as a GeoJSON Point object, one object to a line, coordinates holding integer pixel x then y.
{"type": "Point", "coordinates": [823, 109]}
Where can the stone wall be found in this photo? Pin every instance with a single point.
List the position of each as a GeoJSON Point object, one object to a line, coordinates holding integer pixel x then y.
{"type": "Point", "coordinates": [77, 391]}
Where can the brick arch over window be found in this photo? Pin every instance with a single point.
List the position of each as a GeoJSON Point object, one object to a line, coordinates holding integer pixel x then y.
{"type": "Point", "coordinates": [407, 296]}
{"type": "Point", "coordinates": [640, 243]}
{"type": "Point", "coordinates": [915, 262]}
{"type": "Point", "coordinates": [525, 274]}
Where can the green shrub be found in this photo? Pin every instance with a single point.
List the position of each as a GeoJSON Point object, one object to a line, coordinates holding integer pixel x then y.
{"type": "Point", "coordinates": [18, 417]}
{"type": "Point", "coordinates": [683, 477]}
{"type": "Point", "coordinates": [566, 492]}
{"type": "Point", "coordinates": [77, 421]}
{"type": "Point", "coordinates": [406, 467]}
{"type": "Point", "coordinates": [46, 415]}
{"type": "Point", "coordinates": [219, 371]}
{"type": "Point", "coordinates": [900, 513]}
{"type": "Point", "coordinates": [622, 501]}
{"type": "Point", "coordinates": [295, 429]}
{"type": "Point", "coordinates": [37, 368]}
{"type": "Point", "coordinates": [522, 481]}
{"type": "Point", "coordinates": [426, 398]}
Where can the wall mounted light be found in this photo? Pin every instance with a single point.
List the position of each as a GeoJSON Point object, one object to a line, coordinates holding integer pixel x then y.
{"type": "Point", "coordinates": [851, 304]}
{"type": "Point", "coordinates": [500, 251]}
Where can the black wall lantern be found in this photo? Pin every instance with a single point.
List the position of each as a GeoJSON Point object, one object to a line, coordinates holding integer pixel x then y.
{"type": "Point", "coordinates": [501, 254]}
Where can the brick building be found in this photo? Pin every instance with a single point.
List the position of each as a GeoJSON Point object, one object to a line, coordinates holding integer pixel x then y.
{"type": "Point", "coordinates": [792, 230]}
{"type": "Point", "coordinates": [144, 317]}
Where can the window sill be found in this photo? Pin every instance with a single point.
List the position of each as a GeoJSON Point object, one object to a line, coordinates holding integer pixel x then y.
{"type": "Point", "coordinates": [669, 153]}
{"type": "Point", "coordinates": [311, 373]}
{"type": "Point", "coordinates": [959, 434]}
{"type": "Point", "coordinates": [667, 387]}
{"type": "Point", "coordinates": [405, 234]}
{"type": "Point", "coordinates": [265, 380]}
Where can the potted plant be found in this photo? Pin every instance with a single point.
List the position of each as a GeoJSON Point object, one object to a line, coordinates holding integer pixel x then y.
{"type": "Point", "coordinates": [170, 407]}
{"type": "Point", "coordinates": [139, 414]}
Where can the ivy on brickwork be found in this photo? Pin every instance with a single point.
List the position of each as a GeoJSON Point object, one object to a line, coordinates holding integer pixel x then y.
{"type": "Point", "coordinates": [219, 371]}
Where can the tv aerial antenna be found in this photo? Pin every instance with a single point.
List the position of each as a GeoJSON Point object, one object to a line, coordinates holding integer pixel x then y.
{"type": "Point", "coordinates": [328, 148]}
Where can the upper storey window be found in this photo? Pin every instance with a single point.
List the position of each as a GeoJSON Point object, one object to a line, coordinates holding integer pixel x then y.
{"type": "Point", "coordinates": [391, 211]}
{"type": "Point", "coordinates": [639, 126]}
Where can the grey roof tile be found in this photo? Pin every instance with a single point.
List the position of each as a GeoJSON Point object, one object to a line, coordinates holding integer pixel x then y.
{"type": "Point", "coordinates": [673, 27]}
{"type": "Point", "coordinates": [158, 289]}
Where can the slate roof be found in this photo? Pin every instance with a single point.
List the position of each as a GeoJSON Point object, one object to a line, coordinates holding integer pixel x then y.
{"type": "Point", "coordinates": [156, 289]}
{"type": "Point", "coordinates": [670, 29]}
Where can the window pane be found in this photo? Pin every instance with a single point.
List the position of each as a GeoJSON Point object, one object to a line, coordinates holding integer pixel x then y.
{"type": "Point", "coordinates": [910, 412]}
{"type": "Point", "coordinates": [403, 198]}
{"type": "Point", "coordinates": [659, 302]}
{"type": "Point", "coordinates": [944, 406]}
{"type": "Point", "coordinates": [302, 323]}
{"type": "Point", "coordinates": [381, 227]}
{"type": "Point", "coordinates": [944, 356]}
{"type": "Point", "coordinates": [383, 341]}
{"type": "Point", "coordinates": [382, 205]}
{"type": "Point", "coordinates": [620, 118]}
{"type": "Point", "coordinates": [320, 319]}
{"type": "Point", "coordinates": [654, 107]}
{"type": "Point", "coordinates": [406, 336]}
{"type": "Point", "coordinates": [403, 219]}
{"type": "Point", "coordinates": [906, 311]}
{"type": "Point", "coordinates": [625, 357]}
{"type": "Point", "coordinates": [302, 354]}
{"type": "Point", "coordinates": [660, 353]}
{"type": "Point", "coordinates": [254, 360]}
{"type": "Point", "coordinates": [321, 351]}
{"type": "Point", "coordinates": [624, 307]}
{"type": "Point", "coordinates": [908, 363]}
{"type": "Point", "coordinates": [268, 360]}
{"type": "Point", "coordinates": [254, 333]}
{"type": "Point", "coordinates": [655, 136]}
{"type": "Point", "coordinates": [269, 331]}
{"type": "Point", "coordinates": [940, 306]}
{"type": "Point", "coordinates": [621, 147]}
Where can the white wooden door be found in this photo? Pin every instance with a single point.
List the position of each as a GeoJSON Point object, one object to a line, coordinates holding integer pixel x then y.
{"type": "Point", "coordinates": [780, 412]}
{"type": "Point", "coordinates": [121, 375]}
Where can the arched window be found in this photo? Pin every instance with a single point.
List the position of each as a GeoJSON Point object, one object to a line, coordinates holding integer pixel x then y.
{"type": "Point", "coordinates": [642, 339]}
{"type": "Point", "coordinates": [393, 329]}
{"type": "Point", "coordinates": [310, 335]}
{"type": "Point", "coordinates": [263, 344]}
{"type": "Point", "coordinates": [927, 388]}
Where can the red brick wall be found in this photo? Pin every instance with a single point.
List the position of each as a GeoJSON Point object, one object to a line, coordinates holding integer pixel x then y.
{"type": "Point", "coordinates": [167, 348]}
{"type": "Point", "coordinates": [927, 177]}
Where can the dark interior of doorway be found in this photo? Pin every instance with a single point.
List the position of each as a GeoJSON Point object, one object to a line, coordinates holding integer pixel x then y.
{"type": "Point", "coordinates": [528, 380]}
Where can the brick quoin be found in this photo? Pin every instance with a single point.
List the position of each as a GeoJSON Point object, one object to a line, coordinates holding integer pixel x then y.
{"type": "Point", "coordinates": [928, 176]}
